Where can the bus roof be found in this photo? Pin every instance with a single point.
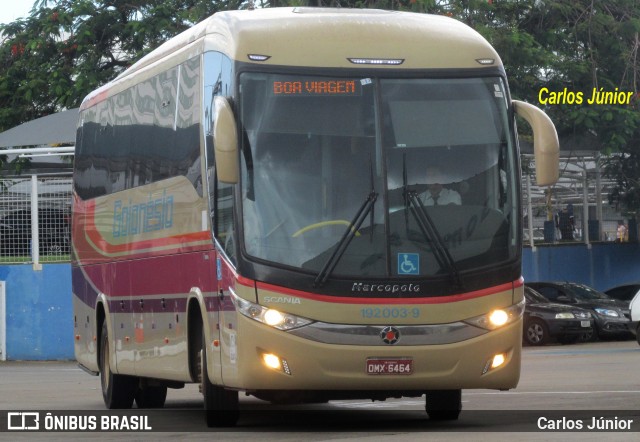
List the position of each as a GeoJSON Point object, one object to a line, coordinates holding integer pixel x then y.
{"type": "Point", "coordinates": [326, 37]}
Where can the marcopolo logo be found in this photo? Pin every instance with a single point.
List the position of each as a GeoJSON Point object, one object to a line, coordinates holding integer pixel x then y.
{"type": "Point", "coordinates": [360, 287]}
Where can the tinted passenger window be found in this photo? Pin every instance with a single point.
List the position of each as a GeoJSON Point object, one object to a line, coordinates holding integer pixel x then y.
{"type": "Point", "coordinates": [551, 293]}
{"type": "Point", "coordinates": [142, 135]}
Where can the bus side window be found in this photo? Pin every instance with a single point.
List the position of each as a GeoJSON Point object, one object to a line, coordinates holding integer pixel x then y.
{"type": "Point", "coordinates": [224, 219]}
{"type": "Point", "coordinates": [218, 80]}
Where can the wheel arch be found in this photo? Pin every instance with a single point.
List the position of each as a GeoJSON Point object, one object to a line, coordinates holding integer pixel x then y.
{"type": "Point", "coordinates": [196, 319]}
{"type": "Point", "coordinates": [102, 316]}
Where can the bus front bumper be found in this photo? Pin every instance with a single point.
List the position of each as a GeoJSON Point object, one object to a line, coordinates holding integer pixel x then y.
{"type": "Point", "coordinates": [304, 364]}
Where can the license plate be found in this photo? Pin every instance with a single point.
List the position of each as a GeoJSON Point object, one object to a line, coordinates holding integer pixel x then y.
{"type": "Point", "coordinates": [585, 323]}
{"type": "Point", "coordinates": [380, 366]}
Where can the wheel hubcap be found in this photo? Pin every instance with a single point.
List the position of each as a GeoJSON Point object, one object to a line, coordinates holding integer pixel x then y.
{"type": "Point", "coordinates": [535, 333]}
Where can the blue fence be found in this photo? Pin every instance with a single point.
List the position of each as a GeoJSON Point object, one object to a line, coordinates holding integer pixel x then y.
{"type": "Point", "coordinates": [40, 318]}
{"type": "Point", "coordinates": [602, 266]}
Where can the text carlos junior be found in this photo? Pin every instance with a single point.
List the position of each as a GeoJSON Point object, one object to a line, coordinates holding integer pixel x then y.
{"type": "Point", "coordinates": [595, 423]}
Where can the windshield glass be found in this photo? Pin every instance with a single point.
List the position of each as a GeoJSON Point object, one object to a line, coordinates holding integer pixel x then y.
{"type": "Point", "coordinates": [534, 297]}
{"type": "Point", "coordinates": [585, 293]}
{"type": "Point", "coordinates": [447, 142]}
{"type": "Point", "coordinates": [318, 150]}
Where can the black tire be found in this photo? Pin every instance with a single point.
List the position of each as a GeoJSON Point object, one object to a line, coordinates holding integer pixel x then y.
{"type": "Point", "coordinates": [118, 391]}
{"type": "Point", "coordinates": [536, 332]}
{"type": "Point", "coordinates": [220, 404]}
{"type": "Point", "coordinates": [638, 334]}
{"type": "Point", "coordinates": [568, 339]}
{"type": "Point", "coordinates": [590, 336]}
{"type": "Point", "coordinates": [151, 396]}
{"type": "Point", "coordinates": [443, 405]}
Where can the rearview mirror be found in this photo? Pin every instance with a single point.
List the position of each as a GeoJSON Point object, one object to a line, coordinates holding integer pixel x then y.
{"type": "Point", "coordinates": [545, 142]}
{"type": "Point", "coordinates": [225, 141]}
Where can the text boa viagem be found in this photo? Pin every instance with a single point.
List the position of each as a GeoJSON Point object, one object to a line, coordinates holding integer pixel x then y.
{"type": "Point", "coordinates": [598, 96]}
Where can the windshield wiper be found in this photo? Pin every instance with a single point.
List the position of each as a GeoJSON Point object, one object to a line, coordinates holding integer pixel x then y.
{"type": "Point", "coordinates": [430, 232]}
{"type": "Point", "coordinates": [348, 235]}
{"type": "Point", "coordinates": [352, 229]}
{"type": "Point", "coordinates": [428, 227]}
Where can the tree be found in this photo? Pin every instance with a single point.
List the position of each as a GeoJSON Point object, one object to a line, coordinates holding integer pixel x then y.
{"type": "Point", "coordinates": [65, 48]}
{"type": "Point", "coordinates": [577, 46]}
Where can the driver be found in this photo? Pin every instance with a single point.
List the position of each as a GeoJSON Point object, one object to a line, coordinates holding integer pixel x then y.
{"type": "Point", "coordinates": [436, 194]}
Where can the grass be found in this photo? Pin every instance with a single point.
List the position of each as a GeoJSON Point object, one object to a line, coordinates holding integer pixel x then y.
{"type": "Point", "coordinates": [46, 259]}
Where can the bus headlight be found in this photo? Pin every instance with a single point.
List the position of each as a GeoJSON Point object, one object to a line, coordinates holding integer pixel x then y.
{"type": "Point", "coordinates": [268, 316]}
{"type": "Point", "coordinates": [499, 317]}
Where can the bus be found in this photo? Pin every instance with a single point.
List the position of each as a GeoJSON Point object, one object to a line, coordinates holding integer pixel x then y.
{"type": "Point", "coordinates": [252, 213]}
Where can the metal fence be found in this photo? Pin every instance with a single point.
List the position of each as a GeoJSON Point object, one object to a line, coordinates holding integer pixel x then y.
{"type": "Point", "coordinates": [583, 191]}
{"type": "Point", "coordinates": [35, 219]}
{"type": "Point", "coordinates": [35, 213]}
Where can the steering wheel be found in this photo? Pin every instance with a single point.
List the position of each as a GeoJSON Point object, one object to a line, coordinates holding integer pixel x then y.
{"type": "Point", "coordinates": [332, 222]}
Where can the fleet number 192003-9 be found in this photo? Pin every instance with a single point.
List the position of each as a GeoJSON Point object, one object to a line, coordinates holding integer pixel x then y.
{"type": "Point", "coordinates": [390, 312]}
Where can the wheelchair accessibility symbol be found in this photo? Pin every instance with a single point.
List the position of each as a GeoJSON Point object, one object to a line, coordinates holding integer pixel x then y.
{"type": "Point", "coordinates": [408, 263]}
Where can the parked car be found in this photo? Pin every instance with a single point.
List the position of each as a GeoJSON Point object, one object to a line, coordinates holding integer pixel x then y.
{"type": "Point", "coordinates": [544, 320]}
{"type": "Point", "coordinates": [15, 232]}
{"type": "Point", "coordinates": [624, 292]}
{"type": "Point", "coordinates": [612, 317]}
{"type": "Point", "coordinates": [635, 314]}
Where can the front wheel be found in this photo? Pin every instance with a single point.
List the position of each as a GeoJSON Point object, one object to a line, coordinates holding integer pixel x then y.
{"type": "Point", "coordinates": [220, 404]}
{"type": "Point", "coordinates": [118, 391]}
{"type": "Point", "coordinates": [591, 335]}
{"type": "Point", "coordinates": [536, 332]}
{"type": "Point", "coordinates": [443, 405]}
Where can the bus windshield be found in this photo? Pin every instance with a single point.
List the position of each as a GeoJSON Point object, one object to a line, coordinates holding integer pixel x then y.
{"type": "Point", "coordinates": [431, 160]}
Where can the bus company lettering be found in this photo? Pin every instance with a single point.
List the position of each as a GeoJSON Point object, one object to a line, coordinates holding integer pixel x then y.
{"type": "Point", "coordinates": [281, 300]}
{"type": "Point", "coordinates": [132, 218]}
{"type": "Point", "coordinates": [393, 288]}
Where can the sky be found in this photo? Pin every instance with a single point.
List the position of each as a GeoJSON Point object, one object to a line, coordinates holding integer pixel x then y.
{"type": "Point", "coordinates": [13, 9]}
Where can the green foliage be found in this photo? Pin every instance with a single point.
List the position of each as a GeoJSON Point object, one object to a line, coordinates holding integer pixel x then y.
{"type": "Point", "coordinates": [578, 45]}
{"type": "Point", "coordinates": [66, 48]}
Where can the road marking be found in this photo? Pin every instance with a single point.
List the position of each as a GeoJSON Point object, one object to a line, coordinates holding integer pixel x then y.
{"type": "Point", "coordinates": [582, 352]}
{"type": "Point", "coordinates": [420, 403]}
{"type": "Point", "coordinates": [554, 392]}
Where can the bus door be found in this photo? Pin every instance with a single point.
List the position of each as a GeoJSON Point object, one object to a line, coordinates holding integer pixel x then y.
{"type": "Point", "coordinates": [226, 323]}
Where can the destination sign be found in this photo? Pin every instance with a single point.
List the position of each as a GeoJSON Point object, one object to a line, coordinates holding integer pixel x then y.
{"type": "Point", "coordinates": [316, 87]}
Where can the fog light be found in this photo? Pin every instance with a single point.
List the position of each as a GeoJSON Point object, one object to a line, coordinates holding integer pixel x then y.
{"type": "Point", "coordinates": [495, 362]}
{"type": "Point", "coordinates": [271, 361]}
{"type": "Point", "coordinates": [274, 362]}
{"type": "Point", "coordinates": [498, 360]}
